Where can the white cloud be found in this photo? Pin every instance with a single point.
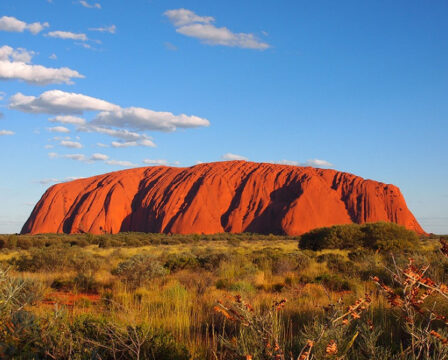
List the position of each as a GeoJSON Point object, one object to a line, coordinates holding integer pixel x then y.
{"type": "Point", "coordinates": [20, 54]}
{"type": "Point", "coordinates": [120, 133]}
{"type": "Point", "coordinates": [59, 129]}
{"type": "Point", "coordinates": [14, 64]}
{"type": "Point", "coordinates": [318, 163]}
{"type": "Point", "coordinates": [230, 157]}
{"type": "Point", "coordinates": [67, 35]}
{"type": "Point", "coordinates": [156, 162]}
{"type": "Point", "coordinates": [58, 102]}
{"type": "Point", "coordinates": [145, 119]}
{"type": "Point", "coordinates": [120, 163]}
{"type": "Point", "coordinates": [2, 95]}
{"type": "Point", "coordinates": [53, 57]}
{"type": "Point", "coordinates": [111, 120]}
{"type": "Point", "coordinates": [312, 162]}
{"type": "Point", "coordinates": [77, 157]}
{"type": "Point", "coordinates": [99, 157]}
{"type": "Point", "coordinates": [49, 146]}
{"type": "Point", "coordinates": [80, 157]}
{"type": "Point", "coordinates": [90, 6]}
{"type": "Point", "coordinates": [68, 119]}
{"type": "Point", "coordinates": [11, 24]}
{"type": "Point", "coordinates": [109, 29]}
{"type": "Point", "coordinates": [117, 144]}
{"type": "Point", "coordinates": [54, 180]}
{"type": "Point", "coordinates": [102, 145]}
{"type": "Point", "coordinates": [181, 17]}
{"type": "Point", "coordinates": [6, 132]}
{"type": "Point", "coordinates": [124, 144]}
{"type": "Point", "coordinates": [37, 74]}
{"type": "Point", "coordinates": [200, 27]}
{"type": "Point", "coordinates": [289, 162]}
{"type": "Point", "coordinates": [71, 178]}
{"type": "Point", "coordinates": [92, 159]}
{"type": "Point", "coordinates": [71, 144]}
{"type": "Point", "coordinates": [48, 181]}
{"type": "Point", "coordinates": [147, 143]}
{"type": "Point", "coordinates": [59, 138]}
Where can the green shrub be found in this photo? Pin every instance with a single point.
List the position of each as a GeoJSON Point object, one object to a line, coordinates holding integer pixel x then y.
{"type": "Point", "coordinates": [223, 284]}
{"type": "Point", "coordinates": [389, 236]}
{"type": "Point", "coordinates": [337, 263]}
{"type": "Point", "coordinates": [380, 235]}
{"type": "Point", "coordinates": [335, 237]}
{"type": "Point", "coordinates": [242, 287]}
{"type": "Point", "coordinates": [359, 255]}
{"type": "Point", "coordinates": [85, 283]}
{"type": "Point", "coordinates": [176, 262]}
{"type": "Point", "coordinates": [62, 284]}
{"type": "Point", "coordinates": [329, 258]}
{"type": "Point", "coordinates": [333, 282]}
{"type": "Point", "coordinates": [58, 258]}
{"type": "Point", "coordinates": [108, 340]}
{"type": "Point", "coordinates": [212, 261]}
{"type": "Point", "coordinates": [139, 269]}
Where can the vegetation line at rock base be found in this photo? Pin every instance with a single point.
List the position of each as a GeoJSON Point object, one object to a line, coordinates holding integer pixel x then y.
{"type": "Point", "coordinates": [225, 297]}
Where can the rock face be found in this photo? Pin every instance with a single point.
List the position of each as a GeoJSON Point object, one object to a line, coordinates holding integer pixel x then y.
{"type": "Point", "coordinates": [233, 196]}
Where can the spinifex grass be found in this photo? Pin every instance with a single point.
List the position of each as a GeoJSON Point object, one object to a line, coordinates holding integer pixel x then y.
{"type": "Point", "coordinates": [201, 272]}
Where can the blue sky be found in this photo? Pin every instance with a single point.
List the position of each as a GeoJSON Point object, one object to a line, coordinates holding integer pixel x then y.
{"type": "Point", "coordinates": [89, 87]}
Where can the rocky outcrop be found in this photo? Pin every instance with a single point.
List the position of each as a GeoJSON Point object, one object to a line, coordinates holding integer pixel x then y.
{"type": "Point", "coordinates": [233, 196]}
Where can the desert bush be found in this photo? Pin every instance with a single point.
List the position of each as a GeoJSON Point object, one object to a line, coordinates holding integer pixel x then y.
{"type": "Point", "coordinates": [81, 242]}
{"type": "Point", "coordinates": [259, 332]}
{"type": "Point", "coordinates": [340, 265]}
{"type": "Point", "coordinates": [62, 284]}
{"type": "Point", "coordinates": [424, 329]}
{"type": "Point", "coordinates": [333, 282]}
{"type": "Point", "coordinates": [58, 258]}
{"type": "Point", "coordinates": [139, 269]}
{"type": "Point", "coordinates": [335, 237]}
{"type": "Point", "coordinates": [389, 236]}
{"type": "Point", "coordinates": [212, 261]}
{"type": "Point", "coordinates": [360, 255]}
{"type": "Point", "coordinates": [383, 236]}
{"type": "Point", "coordinates": [242, 286]}
{"type": "Point", "coordinates": [85, 283]}
{"type": "Point", "coordinates": [175, 262]}
{"type": "Point", "coordinates": [16, 293]}
{"type": "Point", "coordinates": [329, 257]}
{"type": "Point", "coordinates": [108, 340]}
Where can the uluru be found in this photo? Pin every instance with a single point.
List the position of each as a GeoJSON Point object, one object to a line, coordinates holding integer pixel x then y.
{"type": "Point", "coordinates": [228, 196]}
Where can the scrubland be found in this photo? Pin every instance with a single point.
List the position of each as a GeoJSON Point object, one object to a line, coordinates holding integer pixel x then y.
{"type": "Point", "coordinates": [346, 292]}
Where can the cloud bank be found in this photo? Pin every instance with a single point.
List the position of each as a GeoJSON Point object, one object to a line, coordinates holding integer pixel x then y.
{"type": "Point", "coordinates": [15, 65]}
{"type": "Point", "coordinates": [312, 162]}
{"type": "Point", "coordinates": [200, 27]}
{"type": "Point", "coordinates": [67, 35]}
{"type": "Point", "coordinates": [230, 157]}
{"type": "Point", "coordinates": [111, 119]}
{"type": "Point", "coordinates": [6, 132]}
{"type": "Point", "coordinates": [11, 24]}
{"type": "Point", "coordinates": [108, 29]}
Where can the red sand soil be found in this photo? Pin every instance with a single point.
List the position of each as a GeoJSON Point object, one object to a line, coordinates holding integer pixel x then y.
{"type": "Point", "coordinates": [232, 196]}
{"type": "Point", "coordinates": [69, 299]}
